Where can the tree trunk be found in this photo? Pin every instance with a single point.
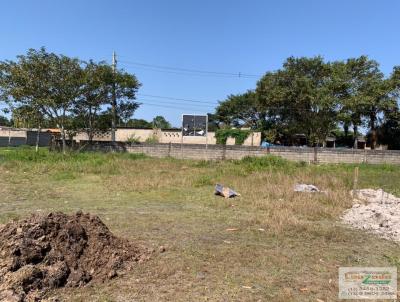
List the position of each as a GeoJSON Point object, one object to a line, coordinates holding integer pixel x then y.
{"type": "Point", "coordinates": [9, 137]}
{"type": "Point", "coordinates": [372, 124]}
{"type": "Point", "coordinates": [38, 138]}
{"type": "Point", "coordinates": [64, 145]}
{"type": "Point", "coordinates": [90, 126]}
{"type": "Point", "coordinates": [113, 113]}
{"type": "Point", "coordinates": [355, 129]}
{"type": "Point", "coordinates": [346, 130]}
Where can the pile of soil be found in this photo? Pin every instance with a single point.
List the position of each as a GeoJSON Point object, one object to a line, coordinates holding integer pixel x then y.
{"type": "Point", "coordinates": [375, 211]}
{"type": "Point", "coordinates": [45, 252]}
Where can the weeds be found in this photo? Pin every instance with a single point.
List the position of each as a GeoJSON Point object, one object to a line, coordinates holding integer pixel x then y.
{"type": "Point", "coordinates": [171, 202]}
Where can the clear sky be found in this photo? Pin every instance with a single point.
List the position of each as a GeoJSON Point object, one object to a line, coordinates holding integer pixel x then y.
{"type": "Point", "coordinates": [229, 36]}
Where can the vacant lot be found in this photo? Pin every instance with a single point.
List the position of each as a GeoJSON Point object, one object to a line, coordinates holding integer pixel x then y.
{"type": "Point", "coordinates": [270, 244]}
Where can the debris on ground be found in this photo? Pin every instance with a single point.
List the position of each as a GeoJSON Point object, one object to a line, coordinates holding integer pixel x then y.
{"type": "Point", "coordinates": [44, 252]}
{"type": "Point", "coordinates": [375, 211]}
{"type": "Point", "coordinates": [305, 188]}
{"type": "Point", "coordinates": [225, 191]}
{"type": "Point", "coordinates": [232, 230]}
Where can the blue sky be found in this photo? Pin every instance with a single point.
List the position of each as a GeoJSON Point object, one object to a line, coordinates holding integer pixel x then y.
{"type": "Point", "coordinates": [250, 37]}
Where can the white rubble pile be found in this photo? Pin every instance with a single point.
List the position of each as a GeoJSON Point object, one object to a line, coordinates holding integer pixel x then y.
{"type": "Point", "coordinates": [375, 211]}
{"type": "Point", "coordinates": [305, 188]}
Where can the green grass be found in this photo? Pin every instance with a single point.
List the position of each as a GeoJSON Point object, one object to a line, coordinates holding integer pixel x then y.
{"type": "Point", "coordinates": [284, 242]}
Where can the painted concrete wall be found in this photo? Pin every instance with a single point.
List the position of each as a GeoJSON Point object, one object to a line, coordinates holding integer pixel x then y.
{"type": "Point", "coordinates": [165, 137]}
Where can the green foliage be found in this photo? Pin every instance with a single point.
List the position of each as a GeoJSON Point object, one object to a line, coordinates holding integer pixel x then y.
{"type": "Point", "coordinates": [265, 162]}
{"type": "Point", "coordinates": [203, 180]}
{"type": "Point", "coordinates": [139, 124]}
{"type": "Point", "coordinates": [4, 121]}
{"type": "Point", "coordinates": [133, 139]}
{"type": "Point", "coordinates": [239, 135]}
{"type": "Point", "coordinates": [66, 92]}
{"type": "Point", "coordinates": [28, 154]}
{"type": "Point", "coordinates": [313, 97]}
{"type": "Point", "coordinates": [240, 110]}
{"type": "Point", "coordinates": [389, 131]}
{"type": "Point", "coordinates": [160, 122]}
{"type": "Point", "coordinates": [152, 140]}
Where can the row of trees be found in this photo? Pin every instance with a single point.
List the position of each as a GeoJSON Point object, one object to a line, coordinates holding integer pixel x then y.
{"type": "Point", "coordinates": [312, 97]}
{"type": "Point", "coordinates": [46, 89]}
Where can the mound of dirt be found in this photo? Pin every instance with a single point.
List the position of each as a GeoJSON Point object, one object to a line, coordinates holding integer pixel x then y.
{"type": "Point", "coordinates": [375, 211]}
{"type": "Point", "coordinates": [44, 252]}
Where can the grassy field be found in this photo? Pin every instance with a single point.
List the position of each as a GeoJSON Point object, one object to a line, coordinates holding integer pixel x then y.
{"type": "Point", "coordinates": [287, 246]}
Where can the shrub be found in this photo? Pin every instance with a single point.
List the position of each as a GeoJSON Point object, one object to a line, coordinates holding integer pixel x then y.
{"type": "Point", "coordinates": [239, 135]}
{"type": "Point", "coordinates": [152, 139]}
{"type": "Point", "coordinates": [133, 139]}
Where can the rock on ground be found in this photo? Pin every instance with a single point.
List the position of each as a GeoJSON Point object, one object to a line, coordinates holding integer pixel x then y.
{"type": "Point", "coordinates": [44, 252]}
{"type": "Point", "coordinates": [375, 211]}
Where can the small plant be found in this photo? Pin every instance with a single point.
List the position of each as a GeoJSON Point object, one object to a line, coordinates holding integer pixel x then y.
{"type": "Point", "coordinates": [239, 135]}
{"type": "Point", "coordinates": [133, 139]}
{"type": "Point", "coordinates": [152, 139]}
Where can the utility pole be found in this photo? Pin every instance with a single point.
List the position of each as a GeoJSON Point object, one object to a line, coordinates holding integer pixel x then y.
{"type": "Point", "coordinates": [114, 99]}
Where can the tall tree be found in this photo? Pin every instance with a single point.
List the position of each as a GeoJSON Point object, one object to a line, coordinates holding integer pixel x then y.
{"type": "Point", "coordinates": [139, 123]}
{"type": "Point", "coordinates": [161, 123]}
{"type": "Point", "coordinates": [351, 76]}
{"type": "Point", "coordinates": [46, 82]}
{"type": "Point", "coordinates": [125, 87]}
{"type": "Point", "coordinates": [389, 131]}
{"type": "Point", "coordinates": [4, 121]}
{"type": "Point", "coordinates": [240, 110]}
{"type": "Point", "coordinates": [303, 96]}
{"type": "Point", "coordinates": [93, 95]}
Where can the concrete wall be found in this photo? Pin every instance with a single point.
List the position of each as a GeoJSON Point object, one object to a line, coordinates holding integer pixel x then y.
{"type": "Point", "coordinates": [165, 137]}
{"type": "Point", "coordinates": [104, 136]}
{"type": "Point", "coordinates": [218, 152]}
{"type": "Point", "coordinates": [122, 135]}
{"type": "Point", "coordinates": [15, 138]}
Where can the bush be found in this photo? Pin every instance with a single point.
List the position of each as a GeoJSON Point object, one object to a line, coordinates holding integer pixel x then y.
{"type": "Point", "coordinates": [133, 139]}
{"type": "Point", "coordinates": [152, 139]}
{"type": "Point", "coordinates": [239, 135]}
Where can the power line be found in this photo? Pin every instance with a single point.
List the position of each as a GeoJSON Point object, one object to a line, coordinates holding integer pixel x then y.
{"type": "Point", "coordinates": [176, 103]}
{"type": "Point", "coordinates": [173, 107]}
{"type": "Point", "coordinates": [178, 99]}
{"type": "Point", "coordinates": [188, 71]}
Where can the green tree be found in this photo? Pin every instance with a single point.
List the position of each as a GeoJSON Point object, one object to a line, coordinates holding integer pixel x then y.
{"type": "Point", "coordinates": [93, 95]}
{"type": "Point", "coordinates": [241, 110]}
{"type": "Point", "coordinates": [4, 121]}
{"type": "Point", "coordinates": [125, 110]}
{"type": "Point", "coordinates": [46, 82]}
{"type": "Point", "coordinates": [99, 81]}
{"type": "Point", "coordinates": [139, 123]}
{"type": "Point", "coordinates": [125, 87]}
{"type": "Point", "coordinates": [27, 117]}
{"type": "Point", "coordinates": [366, 95]}
{"type": "Point", "coordinates": [161, 123]}
{"type": "Point", "coordinates": [302, 97]}
{"type": "Point", "coordinates": [389, 131]}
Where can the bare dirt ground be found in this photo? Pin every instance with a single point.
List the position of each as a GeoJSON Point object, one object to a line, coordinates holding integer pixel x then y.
{"type": "Point", "coordinates": [44, 252]}
{"type": "Point", "coordinates": [269, 244]}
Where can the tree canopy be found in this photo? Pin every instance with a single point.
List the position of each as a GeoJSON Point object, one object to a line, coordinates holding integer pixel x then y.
{"type": "Point", "coordinates": [312, 97]}
{"type": "Point", "coordinates": [66, 92]}
{"type": "Point", "coordinates": [161, 123]}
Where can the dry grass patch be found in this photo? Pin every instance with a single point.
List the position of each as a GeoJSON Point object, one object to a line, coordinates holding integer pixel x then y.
{"type": "Point", "coordinates": [283, 241]}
